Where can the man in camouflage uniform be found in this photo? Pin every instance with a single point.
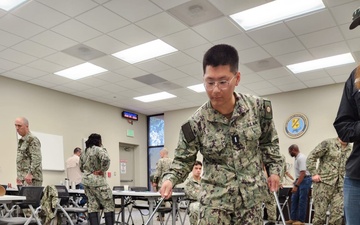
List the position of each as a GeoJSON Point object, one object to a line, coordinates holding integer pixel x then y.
{"type": "Point", "coordinates": [192, 191]}
{"type": "Point", "coordinates": [28, 159]}
{"type": "Point", "coordinates": [94, 163]}
{"type": "Point", "coordinates": [236, 135]}
{"type": "Point", "coordinates": [328, 179]}
{"type": "Point", "coordinates": [161, 166]}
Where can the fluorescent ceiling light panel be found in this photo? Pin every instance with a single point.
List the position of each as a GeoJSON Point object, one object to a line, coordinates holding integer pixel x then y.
{"type": "Point", "coordinates": [155, 97]}
{"type": "Point", "coordinates": [7, 5]}
{"type": "Point", "coordinates": [197, 88]}
{"type": "Point", "coordinates": [145, 51]}
{"type": "Point", "coordinates": [275, 11]}
{"type": "Point", "coordinates": [321, 63]}
{"type": "Point", "coordinates": [81, 71]}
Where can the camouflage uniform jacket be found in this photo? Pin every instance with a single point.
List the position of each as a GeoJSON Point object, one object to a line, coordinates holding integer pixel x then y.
{"type": "Point", "coordinates": [161, 167]}
{"type": "Point", "coordinates": [192, 189]}
{"type": "Point", "coordinates": [28, 158]}
{"type": "Point", "coordinates": [94, 159]}
{"type": "Point", "coordinates": [233, 152]}
{"type": "Point", "coordinates": [332, 159]}
{"type": "Point", "coordinates": [48, 203]}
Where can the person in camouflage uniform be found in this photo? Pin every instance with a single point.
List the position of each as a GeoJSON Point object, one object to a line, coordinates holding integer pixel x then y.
{"type": "Point", "coordinates": [192, 191]}
{"type": "Point", "coordinates": [28, 159]}
{"type": "Point", "coordinates": [161, 166]}
{"type": "Point", "coordinates": [328, 179]}
{"type": "Point", "coordinates": [236, 135]}
{"type": "Point", "coordinates": [94, 163]}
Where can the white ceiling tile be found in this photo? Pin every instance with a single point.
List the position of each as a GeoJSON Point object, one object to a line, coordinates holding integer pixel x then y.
{"type": "Point", "coordinates": [354, 44]}
{"type": "Point", "coordinates": [93, 81]}
{"type": "Point", "coordinates": [7, 39]}
{"type": "Point", "coordinates": [34, 49]}
{"type": "Point", "coordinates": [131, 83]}
{"type": "Point", "coordinates": [217, 29]}
{"type": "Point", "coordinates": [8, 65]}
{"type": "Point", "coordinates": [113, 88]}
{"type": "Point", "coordinates": [16, 76]}
{"type": "Point", "coordinates": [42, 83]}
{"type": "Point", "coordinates": [339, 70]}
{"type": "Point", "coordinates": [262, 84]}
{"type": "Point", "coordinates": [109, 62]}
{"type": "Point", "coordinates": [284, 80]}
{"type": "Point", "coordinates": [30, 72]}
{"type": "Point", "coordinates": [106, 44]}
{"type": "Point", "coordinates": [343, 13]}
{"type": "Point", "coordinates": [76, 30]}
{"type": "Point", "coordinates": [270, 34]}
{"type": "Point", "coordinates": [321, 37]}
{"type": "Point", "coordinates": [53, 40]}
{"type": "Point", "coordinates": [311, 22]}
{"type": "Point", "coordinates": [274, 73]}
{"type": "Point", "coordinates": [131, 71]}
{"type": "Point", "coordinates": [55, 79]}
{"type": "Point", "coordinates": [187, 81]}
{"type": "Point", "coordinates": [132, 35]}
{"type": "Point", "coordinates": [76, 85]}
{"type": "Point", "coordinates": [18, 26]}
{"type": "Point", "coordinates": [44, 65]}
{"type": "Point", "coordinates": [176, 59]}
{"type": "Point", "coordinates": [240, 42]}
{"type": "Point", "coordinates": [349, 34]}
{"type": "Point", "coordinates": [340, 78]}
{"type": "Point", "coordinates": [312, 75]}
{"type": "Point", "coordinates": [198, 51]}
{"type": "Point", "coordinates": [268, 91]}
{"type": "Point", "coordinates": [63, 59]}
{"type": "Point", "coordinates": [171, 74]}
{"type": "Point", "coordinates": [161, 24]}
{"type": "Point", "coordinates": [111, 77]}
{"type": "Point", "coordinates": [64, 89]}
{"type": "Point", "coordinates": [133, 10]}
{"type": "Point", "coordinates": [330, 50]}
{"type": "Point", "coordinates": [292, 87]}
{"type": "Point", "coordinates": [152, 66]}
{"type": "Point", "coordinates": [294, 57]}
{"type": "Point", "coordinates": [252, 55]}
{"type": "Point", "coordinates": [70, 7]}
{"type": "Point", "coordinates": [184, 39]}
{"type": "Point", "coordinates": [232, 6]}
{"type": "Point", "coordinates": [284, 46]}
{"type": "Point", "coordinates": [250, 78]}
{"type": "Point", "coordinates": [167, 4]}
{"type": "Point", "coordinates": [332, 3]}
{"type": "Point", "coordinates": [40, 14]}
{"type": "Point", "coordinates": [16, 56]}
{"type": "Point", "coordinates": [319, 82]}
{"type": "Point", "coordinates": [108, 21]}
{"type": "Point", "coordinates": [193, 69]}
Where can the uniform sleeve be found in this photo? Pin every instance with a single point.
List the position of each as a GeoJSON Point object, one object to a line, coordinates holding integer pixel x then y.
{"type": "Point", "coordinates": [35, 154]}
{"type": "Point", "coordinates": [347, 122]}
{"type": "Point", "coordinates": [157, 173]}
{"type": "Point", "coordinates": [104, 159]}
{"type": "Point", "coordinates": [269, 142]}
{"type": "Point", "coordinates": [319, 151]}
{"type": "Point", "coordinates": [185, 155]}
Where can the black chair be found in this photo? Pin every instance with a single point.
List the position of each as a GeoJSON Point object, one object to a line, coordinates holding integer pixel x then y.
{"type": "Point", "coordinates": [30, 205]}
{"type": "Point", "coordinates": [284, 195]}
{"type": "Point", "coordinates": [67, 206]}
{"type": "Point", "coordinates": [118, 205]}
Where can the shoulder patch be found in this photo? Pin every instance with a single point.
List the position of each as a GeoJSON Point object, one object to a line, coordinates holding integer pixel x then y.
{"type": "Point", "coordinates": [188, 133]}
{"type": "Point", "coordinates": [268, 110]}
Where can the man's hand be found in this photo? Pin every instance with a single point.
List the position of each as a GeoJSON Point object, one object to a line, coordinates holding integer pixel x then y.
{"type": "Point", "coordinates": [28, 178]}
{"type": "Point", "coordinates": [316, 178]}
{"type": "Point", "coordinates": [166, 189]}
{"type": "Point", "coordinates": [273, 182]}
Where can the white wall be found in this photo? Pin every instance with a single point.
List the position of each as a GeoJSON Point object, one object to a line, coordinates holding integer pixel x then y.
{"type": "Point", "coordinates": [69, 116]}
{"type": "Point", "coordinates": [320, 105]}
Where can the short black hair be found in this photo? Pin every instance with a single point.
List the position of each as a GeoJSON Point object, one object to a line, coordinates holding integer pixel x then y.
{"type": "Point", "coordinates": [197, 163]}
{"type": "Point", "coordinates": [94, 139]}
{"type": "Point", "coordinates": [294, 147]}
{"type": "Point", "coordinates": [221, 54]}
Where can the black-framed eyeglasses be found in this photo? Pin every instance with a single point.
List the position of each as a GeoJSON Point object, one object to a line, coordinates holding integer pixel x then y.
{"type": "Point", "coordinates": [221, 84]}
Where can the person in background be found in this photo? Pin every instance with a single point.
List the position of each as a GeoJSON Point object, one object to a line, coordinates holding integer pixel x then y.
{"type": "Point", "coordinates": [161, 166]}
{"type": "Point", "coordinates": [328, 179]}
{"type": "Point", "coordinates": [236, 134]}
{"type": "Point", "coordinates": [94, 163]}
{"type": "Point", "coordinates": [28, 159]}
{"type": "Point", "coordinates": [192, 191]}
{"type": "Point", "coordinates": [347, 127]}
{"type": "Point", "coordinates": [302, 186]}
{"type": "Point", "coordinates": [74, 173]}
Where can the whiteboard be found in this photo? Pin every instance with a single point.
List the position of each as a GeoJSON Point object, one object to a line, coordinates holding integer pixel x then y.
{"type": "Point", "coordinates": [52, 151]}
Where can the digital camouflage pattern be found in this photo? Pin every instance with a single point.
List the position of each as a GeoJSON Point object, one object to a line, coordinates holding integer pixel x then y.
{"type": "Point", "coordinates": [192, 191]}
{"type": "Point", "coordinates": [161, 167]}
{"type": "Point", "coordinates": [48, 203]}
{"type": "Point", "coordinates": [96, 188]}
{"type": "Point", "coordinates": [332, 158]}
{"type": "Point", "coordinates": [28, 159]}
{"type": "Point", "coordinates": [270, 205]}
{"type": "Point", "coordinates": [234, 152]}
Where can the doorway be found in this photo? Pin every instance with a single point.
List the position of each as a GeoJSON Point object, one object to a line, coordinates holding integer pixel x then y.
{"type": "Point", "coordinates": [127, 164]}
